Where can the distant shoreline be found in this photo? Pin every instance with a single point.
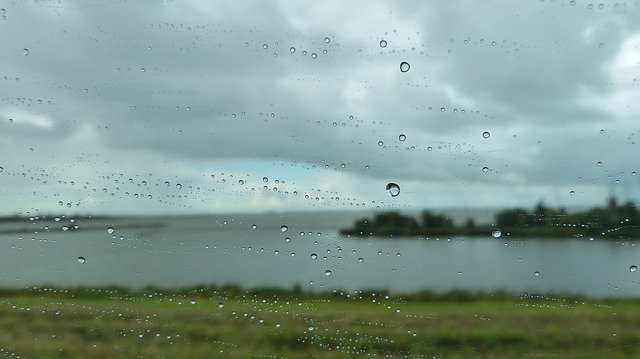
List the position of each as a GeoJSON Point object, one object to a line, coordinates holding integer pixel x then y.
{"type": "Point", "coordinates": [613, 221]}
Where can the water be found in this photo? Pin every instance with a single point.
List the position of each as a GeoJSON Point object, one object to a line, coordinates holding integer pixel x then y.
{"type": "Point", "coordinates": [178, 252]}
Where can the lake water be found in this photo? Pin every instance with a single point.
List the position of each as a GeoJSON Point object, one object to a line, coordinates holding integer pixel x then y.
{"type": "Point", "coordinates": [179, 252]}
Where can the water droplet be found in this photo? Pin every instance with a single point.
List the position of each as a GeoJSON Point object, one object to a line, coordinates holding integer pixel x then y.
{"type": "Point", "coordinates": [380, 143]}
{"type": "Point", "coordinates": [497, 233]}
{"type": "Point", "coordinates": [81, 260]}
{"type": "Point", "coordinates": [265, 179]}
{"type": "Point", "coordinates": [277, 325]}
{"type": "Point", "coordinates": [404, 66]}
{"type": "Point", "coordinates": [485, 169]}
{"type": "Point", "coordinates": [486, 134]}
{"type": "Point", "coordinates": [599, 163]}
{"type": "Point", "coordinates": [572, 192]}
{"type": "Point", "coordinates": [360, 260]}
{"type": "Point", "coordinates": [265, 46]}
{"type": "Point", "coordinates": [110, 230]}
{"type": "Point", "coordinates": [178, 186]}
{"type": "Point", "coordinates": [314, 55]}
{"type": "Point", "coordinates": [536, 273]}
{"type": "Point", "coordinates": [314, 256]}
{"type": "Point", "coordinates": [327, 272]}
{"type": "Point", "coordinates": [193, 301]}
{"type": "Point", "coordinates": [292, 49]}
{"type": "Point", "coordinates": [254, 226]}
{"type": "Point", "coordinates": [402, 137]}
{"type": "Point", "coordinates": [393, 189]}
{"type": "Point", "coordinates": [220, 305]}
{"type": "Point", "coordinates": [327, 40]}
{"type": "Point", "coordinates": [241, 182]}
{"type": "Point", "coordinates": [633, 268]}
{"type": "Point", "coordinates": [25, 52]}
{"type": "Point", "coordinates": [383, 43]}
{"type": "Point", "coordinates": [311, 328]}
{"type": "Point", "coordinates": [167, 184]}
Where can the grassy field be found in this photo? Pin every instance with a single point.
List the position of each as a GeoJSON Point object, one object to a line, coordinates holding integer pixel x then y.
{"type": "Point", "coordinates": [210, 323]}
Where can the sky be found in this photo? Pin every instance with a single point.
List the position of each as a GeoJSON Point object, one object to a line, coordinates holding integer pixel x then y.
{"type": "Point", "coordinates": [174, 107]}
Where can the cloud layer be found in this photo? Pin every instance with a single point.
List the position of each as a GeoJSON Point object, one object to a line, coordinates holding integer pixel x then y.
{"type": "Point", "coordinates": [103, 103]}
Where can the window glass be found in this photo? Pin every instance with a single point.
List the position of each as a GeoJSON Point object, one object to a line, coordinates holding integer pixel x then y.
{"type": "Point", "coordinates": [319, 179]}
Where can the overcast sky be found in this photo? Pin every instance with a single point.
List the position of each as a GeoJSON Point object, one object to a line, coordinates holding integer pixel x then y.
{"type": "Point", "coordinates": [111, 106]}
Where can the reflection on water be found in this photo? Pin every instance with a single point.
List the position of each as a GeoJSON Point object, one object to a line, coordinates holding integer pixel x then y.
{"type": "Point", "coordinates": [254, 251]}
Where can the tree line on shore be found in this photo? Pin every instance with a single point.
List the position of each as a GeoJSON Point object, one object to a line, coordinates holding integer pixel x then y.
{"type": "Point", "coordinates": [613, 220]}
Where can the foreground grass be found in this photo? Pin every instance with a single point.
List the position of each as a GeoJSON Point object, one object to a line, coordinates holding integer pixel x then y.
{"type": "Point", "coordinates": [201, 323]}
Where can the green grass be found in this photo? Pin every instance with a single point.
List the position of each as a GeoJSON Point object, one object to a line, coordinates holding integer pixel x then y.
{"type": "Point", "coordinates": [275, 324]}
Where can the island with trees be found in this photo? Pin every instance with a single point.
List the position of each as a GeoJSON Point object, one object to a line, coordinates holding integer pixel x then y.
{"type": "Point", "coordinates": [613, 221]}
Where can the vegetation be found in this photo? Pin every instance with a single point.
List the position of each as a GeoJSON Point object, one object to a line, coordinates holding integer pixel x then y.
{"type": "Point", "coordinates": [614, 221]}
{"type": "Point", "coordinates": [228, 322]}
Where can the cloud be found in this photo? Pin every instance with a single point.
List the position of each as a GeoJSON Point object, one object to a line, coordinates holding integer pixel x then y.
{"type": "Point", "coordinates": [177, 92]}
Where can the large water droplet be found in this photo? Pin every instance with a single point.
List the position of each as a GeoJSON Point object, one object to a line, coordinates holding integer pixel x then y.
{"type": "Point", "coordinates": [178, 186]}
{"type": "Point", "coordinates": [327, 272]}
{"type": "Point", "coordinates": [633, 268]}
{"type": "Point", "coordinates": [327, 40]}
{"type": "Point", "coordinates": [404, 66]}
{"type": "Point", "coordinates": [25, 52]}
{"type": "Point", "coordinates": [314, 256]}
{"type": "Point", "coordinates": [485, 169]}
{"type": "Point", "coordinates": [81, 260]}
{"type": "Point", "coordinates": [393, 189]}
{"type": "Point", "coordinates": [284, 228]}
{"type": "Point", "coordinates": [497, 233]}
{"type": "Point", "coordinates": [402, 137]}
{"type": "Point", "coordinates": [383, 43]}
{"type": "Point", "coordinates": [265, 179]}
{"type": "Point", "coordinates": [292, 49]}
{"type": "Point", "coordinates": [486, 134]}
{"type": "Point", "coordinates": [110, 230]}
{"type": "Point", "coordinates": [220, 305]}
{"type": "Point", "coordinates": [536, 273]}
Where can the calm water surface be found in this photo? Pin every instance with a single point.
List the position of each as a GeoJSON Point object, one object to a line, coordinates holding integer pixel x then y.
{"type": "Point", "coordinates": [178, 252]}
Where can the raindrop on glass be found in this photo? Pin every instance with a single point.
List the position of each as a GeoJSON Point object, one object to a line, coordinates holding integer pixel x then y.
{"type": "Point", "coordinates": [284, 228]}
{"type": "Point", "coordinates": [497, 233]}
{"type": "Point", "coordinates": [292, 49]}
{"type": "Point", "coordinates": [393, 189]}
{"type": "Point", "coordinates": [314, 256]}
{"type": "Point", "coordinates": [404, 66]}
{"type": "Point", "coordinates": [110, 230]}
{"type": "Point", "coordinates": [633, 268]}
{"type": "Point", "coordinates": [81, 260]}
{"type": "Point", "coordinates": [383, 43]}
{"type": "Point", "coordinates": [327, 40]}
{"type": "Point", "coordinates": [327, 272]}
{"type": "Point", "coordinates": [402, 137]}
{"type": "Point", "coordinates": [25, 52]}
{"type": "Point", "coordinates": [486, 134]}
{"type": "Point", "coordinates": [485, 169]}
